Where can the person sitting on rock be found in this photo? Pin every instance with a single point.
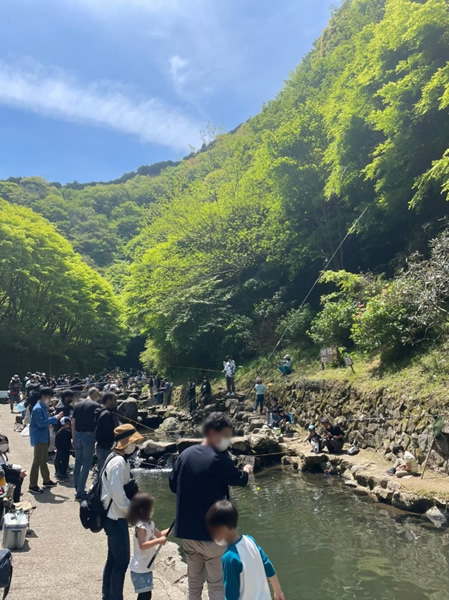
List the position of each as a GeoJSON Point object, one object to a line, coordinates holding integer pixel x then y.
{"type": "Point", "coordinates": [314, 439]}
{"type": "Point", "coordinates": [272, 412]}
{"type": "Point", "coordinates": [334, 438]}
{"type": "Point", "coordinates": [406, 463]}
{"type": "Point", "coordinates": [286, 365]}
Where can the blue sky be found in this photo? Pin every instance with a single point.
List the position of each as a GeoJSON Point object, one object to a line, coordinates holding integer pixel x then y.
{"type": "Point", "coordinates": [91, 89]}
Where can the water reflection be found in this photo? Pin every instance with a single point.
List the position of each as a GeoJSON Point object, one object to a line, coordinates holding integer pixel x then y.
{"type": "Point", "coordinates": [328, 543]}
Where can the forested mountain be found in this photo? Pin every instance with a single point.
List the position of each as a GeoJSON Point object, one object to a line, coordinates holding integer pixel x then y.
{"type": "Point", "coordinates": [55, 311]}
{"type": "Point", "coordinates": [214, 253]}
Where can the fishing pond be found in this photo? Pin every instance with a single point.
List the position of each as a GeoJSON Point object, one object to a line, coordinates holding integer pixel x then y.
{"type": "Point", "coordinates": [327, 542]}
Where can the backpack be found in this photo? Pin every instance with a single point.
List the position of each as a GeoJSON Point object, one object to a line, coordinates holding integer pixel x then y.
{"type": "Point", "coordinates": [5, 571]}
{"type": "Point", "coordinates": [92, 511]}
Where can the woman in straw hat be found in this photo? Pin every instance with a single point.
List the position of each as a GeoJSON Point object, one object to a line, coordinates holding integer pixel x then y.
{"type": "Point", "coordinates": [115, 476]}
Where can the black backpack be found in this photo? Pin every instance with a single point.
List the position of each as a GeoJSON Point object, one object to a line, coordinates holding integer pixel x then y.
{"type": "Point", "coordinates": [5, 571]}
{"type": "Point", "coordinates": [92, 511]}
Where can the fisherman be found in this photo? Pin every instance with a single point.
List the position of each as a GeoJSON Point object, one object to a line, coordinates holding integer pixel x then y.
{"type": "Point", "coordinates": [333, 436]}
{"type": "Point", "coordinates": [15, 386]}
{"type": "Point", "coordinates": [286, 365]}
{"type": "Point", "coordinates": [107, 421]}
{"type": "Point", "coordinates": [206, 390]}
{"type": "Point", "coordinates": [406, 463]}
{"type": "Point", "coordinates": [314, 439]}
{"type": "Point", "coordinates": [200, 477]}
{"type": "Point", "coordinates": [84, 422]}
{"type": "Point", "coordinates": [229, 368]}
{"type": "Point", "coordinates": [115, 478]}
{"type": "Point", "coordinates": [191, 395]}
{"type": "Point", "coordinates": [261, 389]}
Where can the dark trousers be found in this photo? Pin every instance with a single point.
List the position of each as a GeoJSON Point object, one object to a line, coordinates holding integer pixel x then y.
{"type": "Point", "coordinates": [118, 559]}
{"type": "Point", "coordinates": [144, 596]}
{"type": "Point", "coordinates": [334, 446]}
{"type": "Point", "coordinates": [192, 404]}
{"type": "Point", "coordinates": [230, 384]}
{"type": "Point", "coordinates": [259, 403]}
{"type": "Point", "coordinates": [62, 462]}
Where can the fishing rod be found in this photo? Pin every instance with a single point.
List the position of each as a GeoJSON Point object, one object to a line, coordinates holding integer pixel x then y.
{"type": "Point", "coordinates": [160, 547]}
{"type": "Point", "coordinates": [194, 369]}
{"type": "Point", "coordinates": [306, 297]}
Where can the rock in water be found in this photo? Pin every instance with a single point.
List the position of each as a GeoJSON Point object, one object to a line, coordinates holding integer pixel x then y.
{"type": "Point", "coordinates": [435, 515]}
{"type": "Point", "coordinates": [153, 448]}
{"type": "Point", "coordinates": [129, 409]}
{"type": "Point", "coordinates": [185, 443]}
{"type": "Point", "coordinates": [170, 424]}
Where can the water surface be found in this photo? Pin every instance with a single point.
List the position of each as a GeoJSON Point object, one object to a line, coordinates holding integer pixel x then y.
{"type": "Point", "coordinates": [328, 543]}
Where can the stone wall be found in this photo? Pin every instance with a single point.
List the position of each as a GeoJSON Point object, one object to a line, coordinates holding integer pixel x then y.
{"type": "Point", "coordinates": [376, 419]}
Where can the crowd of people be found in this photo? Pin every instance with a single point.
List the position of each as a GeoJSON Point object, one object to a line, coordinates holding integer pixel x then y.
{"type": "Point", "coordinates": [78, 417]}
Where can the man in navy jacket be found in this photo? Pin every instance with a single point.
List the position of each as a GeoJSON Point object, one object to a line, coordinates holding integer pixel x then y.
{"type": "Point", "coordinates": [202, 476]}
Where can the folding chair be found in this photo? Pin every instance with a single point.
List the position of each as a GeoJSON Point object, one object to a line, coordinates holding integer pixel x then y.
{"type": "Point", "coordinates": [19, 425]}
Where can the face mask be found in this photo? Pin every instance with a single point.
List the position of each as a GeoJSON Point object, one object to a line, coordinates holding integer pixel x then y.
{"type": "Point", "coordinates": [223, 444]}
{"type": "Point", "coordinates": [400, 454]}
{"type": "Point", "coordinates": [130, 449]}
{"type": "Point", "coordinates": [221, 542]}
{"type": "Point", "coordinates": [4, 448]}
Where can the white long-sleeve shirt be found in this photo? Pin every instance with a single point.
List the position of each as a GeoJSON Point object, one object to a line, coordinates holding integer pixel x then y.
{"type": "Point", "coordinates": [116, 475]}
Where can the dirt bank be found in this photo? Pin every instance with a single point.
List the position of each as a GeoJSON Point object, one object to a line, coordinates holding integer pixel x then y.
{"type": "Point", "coordinates": [367, 472]}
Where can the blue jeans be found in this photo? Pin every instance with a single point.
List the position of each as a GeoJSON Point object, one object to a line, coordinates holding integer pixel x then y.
{"type": "Point", "coordinates": [84, 453]}
{"type": "Point", "coordinates": [259, 402]}
{"type": "Point", "coordinates": [118, 559]}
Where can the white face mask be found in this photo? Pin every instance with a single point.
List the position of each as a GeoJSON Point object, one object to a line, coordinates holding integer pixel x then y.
{"type": "Point", "coordinates": [221, 542]}
{"type": "Point", "coordinates": [130, 449]}
{"type": "Point", "coordinates": [400, 454]}
{"type": "Point", "coordinates": [223, 444]}
{"type": "Point", "coordinates": [4, 448]}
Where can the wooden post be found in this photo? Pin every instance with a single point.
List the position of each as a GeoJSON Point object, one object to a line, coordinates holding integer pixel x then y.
{"type": "Point", "coordinates": [427, 458]}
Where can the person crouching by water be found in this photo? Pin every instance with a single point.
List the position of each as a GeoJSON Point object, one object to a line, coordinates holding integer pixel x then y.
{"type": "Point", "coordinates": [246, 567]}
{"type": "Point", "coordinates": [201, 477]}
{"type": "Point", "coordinates": [146, 540]}
{"type": "Point", "coordinates": [115, 477]}
{"type": "Point", "coordinates": [333, 437]}
{"type": "Point", "coordinates": [406, 463]}
{"type": "Point", "coordinates": [314, 439]}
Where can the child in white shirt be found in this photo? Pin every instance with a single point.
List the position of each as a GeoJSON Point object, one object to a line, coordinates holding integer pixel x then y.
{"type": "Point", "coordinates": [146, 540]}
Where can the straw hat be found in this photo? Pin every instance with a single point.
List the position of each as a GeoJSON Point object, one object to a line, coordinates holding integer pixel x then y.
{"type": "Point", "coordinates": [125, 435]}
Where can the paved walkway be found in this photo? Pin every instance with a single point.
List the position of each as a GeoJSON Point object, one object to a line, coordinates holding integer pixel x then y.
{"type": "Point", "coordinates": [61, 560]}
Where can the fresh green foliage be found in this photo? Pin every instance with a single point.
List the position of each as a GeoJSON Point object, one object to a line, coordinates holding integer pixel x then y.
{"type": "Point", "coordinates": [54, 309]}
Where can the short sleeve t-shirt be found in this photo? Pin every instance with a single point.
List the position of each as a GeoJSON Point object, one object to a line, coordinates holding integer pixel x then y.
{"type": "Point", "coordinates": [411, 461]}
{"type": "Point", "coordinates": [260, 389]}
{"type": "Point", "coordinates": [141, 558]}
{"type": "Point", "coordinates": [84, 415]}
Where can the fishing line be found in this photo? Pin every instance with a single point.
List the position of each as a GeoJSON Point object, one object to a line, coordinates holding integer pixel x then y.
{"type": "Point", "coordinates": [307, 296]}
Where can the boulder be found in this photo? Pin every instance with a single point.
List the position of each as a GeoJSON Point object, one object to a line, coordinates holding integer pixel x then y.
{"type": "Point", "coordinates": [185, 443]}
{"type": "Point", "coordinates": [256, 423]}
{"type": "Point", "coordinates": [241, 445]}
{"type": "Point", "coordinates": [264, 443]}
{"type": "Point", "coordinates": [170, 424]}
{"type": "Point", "coordinates": [153, 448]}
{"type": "Point", "coordinates": [411, 502]}
{"type": "Point", "coordinates": [129, 409]}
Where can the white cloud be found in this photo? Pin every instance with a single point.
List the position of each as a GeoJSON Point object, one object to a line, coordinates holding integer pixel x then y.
{"type": "Point", "coordinates": [57, 95]}
{"type": "Point", "coordinates": [178, 72]}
